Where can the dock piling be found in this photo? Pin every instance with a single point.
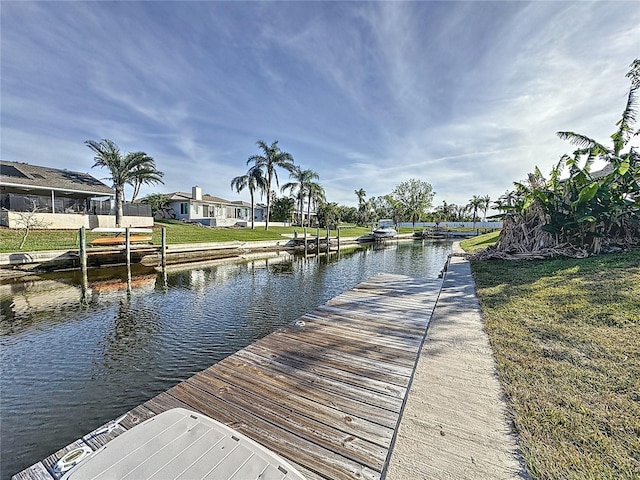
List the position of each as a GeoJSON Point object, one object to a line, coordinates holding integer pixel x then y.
{"type": "Point", "coordinates": [305, 241]}
{"type": "Point", "coordinates": [82, 250]}
{"type": "Point", "coordinates": [164, 248]}
{"type": "Point", "coordinates": [82, 234]}
{"type": "Point", "coordinates": [328, 241]}
{"type": "Point", "coordinates": [127, 243]}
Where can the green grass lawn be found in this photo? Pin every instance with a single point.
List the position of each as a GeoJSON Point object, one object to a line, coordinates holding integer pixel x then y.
{"type": "Point", "coordinates": [566, 338]}
{"type": "Point", "coordinates": [481, 241]}
{"type": "Point", "coordinates": [177, 232]}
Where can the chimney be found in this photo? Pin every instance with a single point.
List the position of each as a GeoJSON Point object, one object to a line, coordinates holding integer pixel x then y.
{"type": "Point", "coordinates": [196, 193]}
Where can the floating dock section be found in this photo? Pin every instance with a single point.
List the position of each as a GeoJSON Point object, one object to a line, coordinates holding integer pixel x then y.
{"type": "Point", "coordinates": [325, 392]}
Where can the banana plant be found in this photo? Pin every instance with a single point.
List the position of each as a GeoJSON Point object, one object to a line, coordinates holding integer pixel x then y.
{"type": "Point", "coordinates": [587, 206]}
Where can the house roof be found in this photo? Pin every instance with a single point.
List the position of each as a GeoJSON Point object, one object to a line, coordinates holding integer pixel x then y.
{"type": "Point", "coordinates": [186, 197]}
{"type": "Point", "coordinates": [241, 203]}
{"type": "Point", "coordinates": [183, 197]}
{"type": "Point", "coordinates": [24, 174]}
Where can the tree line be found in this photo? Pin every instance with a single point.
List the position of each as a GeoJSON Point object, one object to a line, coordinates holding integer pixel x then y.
{"type": "Point", "coordinates": [409, 201]}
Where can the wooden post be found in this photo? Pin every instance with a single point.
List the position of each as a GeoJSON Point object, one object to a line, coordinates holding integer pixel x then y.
{"type": "Point", "coordinates": [82, 249]}
{"type": "Point", "coordinates": [328, 240]}
{"type": "Point", "coordinates": [304, 229]}
{"type": "Point", "coordinates": [317, 240]}
{"type": "Point", "coordinates": [127, 247]}
{"type": "Point", "coordinates": [164, 247]}
{"type": "Point", "coordinates": [338, 237]}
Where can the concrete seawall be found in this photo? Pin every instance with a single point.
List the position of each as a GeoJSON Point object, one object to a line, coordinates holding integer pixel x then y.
{"type": "Point", "coordinates": [17, 264]}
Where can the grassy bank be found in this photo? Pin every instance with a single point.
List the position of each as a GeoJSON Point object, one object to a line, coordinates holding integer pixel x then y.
{"type": "Point", "coordinates": [481, 241]}
{"type": "Point", "coordinates": [177, 232]}
{"type": "Point", "coordinates": [566, 337]}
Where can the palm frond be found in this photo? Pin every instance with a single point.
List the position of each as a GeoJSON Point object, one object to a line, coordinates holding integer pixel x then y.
{"type": "Point", "coordinates": [625, 124]}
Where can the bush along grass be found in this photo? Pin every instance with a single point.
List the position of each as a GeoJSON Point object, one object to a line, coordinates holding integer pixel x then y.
{"type": "Point", "coordinates": [566, 338]}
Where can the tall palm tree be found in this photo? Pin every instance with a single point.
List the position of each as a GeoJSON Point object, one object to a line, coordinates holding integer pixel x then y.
{"type": "Point", "coordinates": [252, 180]}
{"type": "Point", "coordinates": [446, 210]}
{"type": "Point", "coordinates": [476, 203]}
{"type": "Point", "coordinates": [361, 194]}
{"type": "Point", "coordinates": [315, 194]}
{"type": "Point", "coordinates": [272, 158]}
{"type": "Point", "coordinates": [303, 178]}
{"type": "Point", "coordinates": [485, 206]}
{"type": "Point", "coordinates": [145, 174]}
{"type": "Point", "coordinates": [123, 168]}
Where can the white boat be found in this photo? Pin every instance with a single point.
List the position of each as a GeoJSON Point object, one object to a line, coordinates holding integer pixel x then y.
{"type": "Point", "coordinates": [384, 232]}
{"type": "Point", "coordinates": [180, 443]}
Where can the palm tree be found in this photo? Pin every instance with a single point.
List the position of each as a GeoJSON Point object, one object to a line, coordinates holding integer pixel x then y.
{"type": "Point", "coordinates": [145, 173]}
{"type": "Point", "coordinates": [272, 157]}
{"type": "Point", "coordinates": [361, 194]}
{"type": "Point", "coordinates": [625, 125]}
{"type": "Point", "coordinates": [303, 179]}
{"type": "Point", "coordinates": [123, 168]}
{"type": "Point", "coordinates": [252, 180]}
{"type": "Point", "coordinates": [315, 194]}
{"type": "Point", "coordinates": [485, 206]}
{"type": "Point", "coordinates": [476, 202]}
{"type": "Point", "coordinates": [446, 210]}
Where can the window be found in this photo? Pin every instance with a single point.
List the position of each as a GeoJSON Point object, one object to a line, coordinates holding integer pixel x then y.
{"type": "Point", "coordinates": [184, 209]}
{"type": "Point", "coordinates": [205, 210]}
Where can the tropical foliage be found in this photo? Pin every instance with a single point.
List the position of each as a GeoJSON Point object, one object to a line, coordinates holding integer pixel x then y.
{"type": "Point", "coordinates": [412, 199]}
{"type": "Point", "coordinates": [159, 203]}
{"type": "Point", "coordinates": [585, 211]}
{"type": "Point", "coordinates": [305, 187]}
{"type": "Point", "coordinates": [450, 212]}
{"type": "Point", "coordinates": [145, 173]}
{"type": "Point", "coordinates": [476, 203]}
{"type": "Point", "coordinates": [363, 206]}
{"type": "Point", "coordinates": [133, 168]}
{"type": "Point", "coordinates": [253, 181]}
{"type": "Point", "coordinates": [282, 209]}
{"type": "Point", "coordinates": [268, 162]}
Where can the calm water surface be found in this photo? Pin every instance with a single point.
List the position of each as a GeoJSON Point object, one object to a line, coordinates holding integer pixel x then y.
{"type": "Point", "coordinates": [72, 361]}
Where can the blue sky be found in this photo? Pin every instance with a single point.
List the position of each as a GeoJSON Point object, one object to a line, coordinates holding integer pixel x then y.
{"type": "Point", "coordinates": [464, 95]}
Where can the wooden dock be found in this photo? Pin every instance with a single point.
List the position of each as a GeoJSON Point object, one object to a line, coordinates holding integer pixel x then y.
{"type": "Point", "coordinates": [325, 392]}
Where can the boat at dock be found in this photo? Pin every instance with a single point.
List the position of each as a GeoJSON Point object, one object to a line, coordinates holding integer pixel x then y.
{"type": "Point", "coordinates": [186, 444]}
{"type": "Point", "coordinates": [384, 232]}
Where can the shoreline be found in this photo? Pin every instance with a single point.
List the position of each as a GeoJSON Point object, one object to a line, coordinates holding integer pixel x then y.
{"type": "Point", "coordinates": [18, 265]}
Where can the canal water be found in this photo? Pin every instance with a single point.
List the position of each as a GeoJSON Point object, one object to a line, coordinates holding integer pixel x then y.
{"type": "Point", "coordinates": [73, 358]}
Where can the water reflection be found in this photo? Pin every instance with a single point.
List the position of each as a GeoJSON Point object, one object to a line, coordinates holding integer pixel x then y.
{"type": "Point", "coordinates": [51, 297]}
{"type": "Point", "coordinates": [74, 358]}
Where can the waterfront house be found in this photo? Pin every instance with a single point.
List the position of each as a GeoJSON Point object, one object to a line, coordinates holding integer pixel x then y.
{"type": "Point", "coordinates": [60, 199]}
{"type": "Point", "coordinates": [209, 210]}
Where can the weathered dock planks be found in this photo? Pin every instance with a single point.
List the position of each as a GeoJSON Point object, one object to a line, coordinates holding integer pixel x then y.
{"type": "Point", "coordinates": [325, 392]}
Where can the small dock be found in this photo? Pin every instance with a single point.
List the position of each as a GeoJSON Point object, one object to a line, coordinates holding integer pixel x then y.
{"type": "Point", "coordinates": [326, 392]}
